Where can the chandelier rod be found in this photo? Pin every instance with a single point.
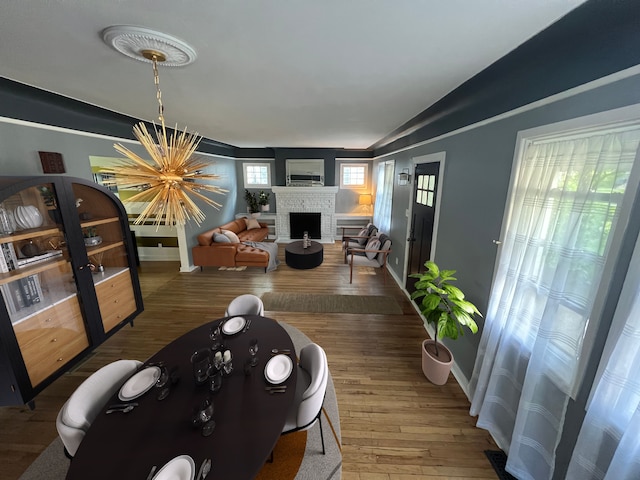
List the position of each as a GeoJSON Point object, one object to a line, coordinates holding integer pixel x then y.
{"type": "Point", "coordinates": [156, 57]}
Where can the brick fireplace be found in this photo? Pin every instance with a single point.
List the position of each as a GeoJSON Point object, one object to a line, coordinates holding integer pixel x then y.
{"type": "Point", "coordinates": [306, 200]}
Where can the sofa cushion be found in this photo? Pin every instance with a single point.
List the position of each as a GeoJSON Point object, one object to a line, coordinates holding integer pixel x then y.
{"type": "Point", "coordinates": [372, 244]}
{"type": "Point", "coordinates": [252, 223]}
{"type": "Point", "coordinates": [220, 238]}
{"type": "Point", "coordinates": [233, 238]}
{"type": "Point", "coordinates": [363, 234]}
{"type": "Point", "coordinates": [246, 253]}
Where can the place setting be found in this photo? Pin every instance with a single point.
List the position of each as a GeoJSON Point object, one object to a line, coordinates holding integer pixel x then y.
{"type": "Point", "coordinates": [277, 371]}
{"type": "Point", "coordinates": [181, 467]}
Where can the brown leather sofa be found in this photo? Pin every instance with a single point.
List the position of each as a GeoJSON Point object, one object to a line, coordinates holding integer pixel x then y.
{"type": "Point", "coordinates": [209, 253]}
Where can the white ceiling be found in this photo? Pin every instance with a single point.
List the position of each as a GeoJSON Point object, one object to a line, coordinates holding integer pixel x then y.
{"type": "Point", "coordinates": [280, 73]}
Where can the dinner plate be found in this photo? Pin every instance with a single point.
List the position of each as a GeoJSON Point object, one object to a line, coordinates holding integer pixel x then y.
{"type": "Point", "coordinates": [233, 325]}
{"type": "Point", "coordinates": [179, 468]}
{"type": "Point", "coordinates": [278, 369]}
{"type": "Point", "coordinates": [139, 384]}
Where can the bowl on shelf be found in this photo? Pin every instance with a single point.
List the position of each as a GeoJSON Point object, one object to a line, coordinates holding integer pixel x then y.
{"type": "Point", "coordinates": [92, 241]}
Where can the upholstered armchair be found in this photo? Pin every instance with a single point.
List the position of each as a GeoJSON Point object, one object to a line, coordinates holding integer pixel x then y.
{"type": "Point", "coordinates": [373, 254]}
{"type": "Point", "coordinates": [357, 237]}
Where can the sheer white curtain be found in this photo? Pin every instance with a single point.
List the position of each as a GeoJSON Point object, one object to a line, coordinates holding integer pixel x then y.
{"type": "Point", "coordinates": [384, 196]}
{"type": "Point", "coordinates": [564, 204]}
{"type": "Point", "coordinates": [608, 446]}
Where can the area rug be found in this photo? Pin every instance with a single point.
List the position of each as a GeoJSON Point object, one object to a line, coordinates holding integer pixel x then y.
{"type": "Point", "coordinates": [308, 302]}
{"type": "Point", "coordinates": [303, 448]}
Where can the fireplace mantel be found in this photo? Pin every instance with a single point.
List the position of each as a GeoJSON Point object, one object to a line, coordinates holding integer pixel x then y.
{"type": "Point", "coordinates": [306, 199]}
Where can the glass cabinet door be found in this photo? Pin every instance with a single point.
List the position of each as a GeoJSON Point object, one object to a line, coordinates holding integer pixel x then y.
{"type": "Point", "coordinates": [106, 251]}
{"type": "Point", "coordinates": [37, 283]}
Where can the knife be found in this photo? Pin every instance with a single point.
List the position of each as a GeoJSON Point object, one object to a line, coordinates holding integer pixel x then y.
{"type": "Point", "coordinates": [199, 475]}
{"type": "Point", "coordinates": [206, 468]}
{"type": "Point", "coordinates": [153, 470]}
{"type": "Point", "coordinates": [122, 405]}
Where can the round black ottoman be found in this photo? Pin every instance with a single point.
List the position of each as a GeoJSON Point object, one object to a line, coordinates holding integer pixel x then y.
{"type": "Point", "coordinates": [303, 258]}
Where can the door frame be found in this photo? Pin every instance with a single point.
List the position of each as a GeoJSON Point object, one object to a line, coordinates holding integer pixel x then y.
{"type": "Point", "coordinates": [429, 158]}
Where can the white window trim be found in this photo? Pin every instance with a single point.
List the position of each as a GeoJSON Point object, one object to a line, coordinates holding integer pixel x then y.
{"type": "Point", "coordinates": [256, 164]}
{"type": "Point", "coordinates": [355, 187]}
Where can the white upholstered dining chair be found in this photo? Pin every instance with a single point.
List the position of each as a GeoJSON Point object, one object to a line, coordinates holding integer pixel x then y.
{"type": "Point", "coordinates": [311, 386]}
{"type": "Point", "coordinates": [77, 414]}
{"type": "Point", "coordinates": [246, 304]}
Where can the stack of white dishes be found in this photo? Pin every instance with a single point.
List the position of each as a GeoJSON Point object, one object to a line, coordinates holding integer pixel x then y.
{"type": "Point", "coordinates": [179, 468]}
{"type": "Point", "coordinates": [27, 216]}
{"type": "Point", "coordinates": [139, 384]}
{"type": "Point", "coordinates": [233, 325]}
{"type": "Point", "coordinates": [278, 369]}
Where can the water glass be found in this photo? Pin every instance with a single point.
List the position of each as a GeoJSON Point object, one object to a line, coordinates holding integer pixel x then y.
{"type": "Point", "coordinates": [201, 362]}
{"type": "Point", "coordinates": [215, 383]}
{"type": "Point", "coordinates": [202, 416]}
{"type": "Point", "coordinates": [253, 351]}
{"type": "Point", "coordinates": [215, 334]}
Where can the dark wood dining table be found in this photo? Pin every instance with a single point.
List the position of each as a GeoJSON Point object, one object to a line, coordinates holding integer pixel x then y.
{"type": "Point", "coordinates": [249, 419]}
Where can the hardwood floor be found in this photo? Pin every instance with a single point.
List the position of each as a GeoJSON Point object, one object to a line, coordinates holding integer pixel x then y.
{"type": "Point", "coordinates": [395, 424]}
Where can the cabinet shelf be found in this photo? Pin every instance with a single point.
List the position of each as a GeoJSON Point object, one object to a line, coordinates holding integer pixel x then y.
{"type": "Point", "coordinates": [98, 221]}
{"type": "Point", "coordinates": [103, 247]}
{"type": "Point", "coordinates": [52, 298]}
{"type": "Point", "coordinates": [24, 272]}
{"type": "Point", "coordinates": [30, 234]}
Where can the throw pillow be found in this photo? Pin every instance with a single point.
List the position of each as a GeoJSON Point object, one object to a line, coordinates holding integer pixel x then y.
{"type": "Point", "coordinates": [233, 238]}
{"type": "Point", "coordinates": [372, 244]}
{"type": "Point", "coordinates": [220, 238]}
{"type": "Point", "coordinates": [363, 233]}
{"type": "Point", "coordinates": [252, 223]}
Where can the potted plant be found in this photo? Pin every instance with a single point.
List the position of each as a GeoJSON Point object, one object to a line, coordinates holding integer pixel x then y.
{"type": "Point", "coordinates": [263, 200]}
{"type": "Point", "coordinates": [91, 237]}
{"type": "Point", "coordinates": [444, 307]}
{"type": "Point", "coordinates": [252, 201]}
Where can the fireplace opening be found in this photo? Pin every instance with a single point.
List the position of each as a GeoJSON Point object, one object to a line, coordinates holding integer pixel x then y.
{"type": "Point", "coordinates": [305, 222]}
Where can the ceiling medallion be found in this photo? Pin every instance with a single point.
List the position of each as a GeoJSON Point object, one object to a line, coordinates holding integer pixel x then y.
{"type": "Point", "coordinates": [168, 184]}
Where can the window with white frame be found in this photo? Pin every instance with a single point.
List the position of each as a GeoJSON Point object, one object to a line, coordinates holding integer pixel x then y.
{"type": "Point", "coordinates": [257, 175]}
{"type": "Point", "coordinates": [354, 175]}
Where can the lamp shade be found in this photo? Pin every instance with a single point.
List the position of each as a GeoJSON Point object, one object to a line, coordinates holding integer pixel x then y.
{"type": "Point", "coordinates": [364, 199]}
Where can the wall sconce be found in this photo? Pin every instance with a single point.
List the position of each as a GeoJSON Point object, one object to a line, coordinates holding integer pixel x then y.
{"type": "Point", "coordinates": [365, 200]}
{"type": "Point", "coordinates": [404, 177]}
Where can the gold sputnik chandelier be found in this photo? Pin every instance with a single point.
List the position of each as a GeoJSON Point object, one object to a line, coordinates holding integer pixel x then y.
{"type": "Point", "coordinates": [168, 185]}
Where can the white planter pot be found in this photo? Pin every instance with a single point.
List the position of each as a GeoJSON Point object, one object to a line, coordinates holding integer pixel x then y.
{"type": "Point", "coordinates": [436, 369]}
{"type": "Point", "coordinates": [264, 208]}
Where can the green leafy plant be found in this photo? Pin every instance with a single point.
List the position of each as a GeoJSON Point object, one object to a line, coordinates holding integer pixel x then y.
{"type": "Point", "coordinates": [443, 304]}
{"type": "Point", "coordinates": [89, 232]}
{"type": "Point", "coordinates": [252, 201]}
{"type": "Point", "coordinates": [263, 197]}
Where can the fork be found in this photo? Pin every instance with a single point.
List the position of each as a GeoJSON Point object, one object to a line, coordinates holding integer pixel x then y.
{"type": "Point", "coordinates": [247, 325]}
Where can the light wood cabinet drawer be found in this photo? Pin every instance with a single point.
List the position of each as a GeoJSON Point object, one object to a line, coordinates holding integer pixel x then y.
{"type": "Point", "coordinates": [51, 338]}
{"type": "Point", "coordinates": [116, 300]}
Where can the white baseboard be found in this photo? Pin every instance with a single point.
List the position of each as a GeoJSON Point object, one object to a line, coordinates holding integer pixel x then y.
{"type": "Point", "coordinates": [155, 254]}
{"type": "Point", "coordinates": [188, 268]}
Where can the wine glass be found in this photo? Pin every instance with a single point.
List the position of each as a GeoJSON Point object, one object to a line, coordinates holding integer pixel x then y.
{"type": "Point", "coordinates": [163, 379]}
{"type": "Point", "coordinates": [202, 416]}
{"type": "Point", "coordinates": [215, 382]}
{"type": "Point", "coordinates": [253, 351]}
{"type": "Point", "coordinates": [215, 334]}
